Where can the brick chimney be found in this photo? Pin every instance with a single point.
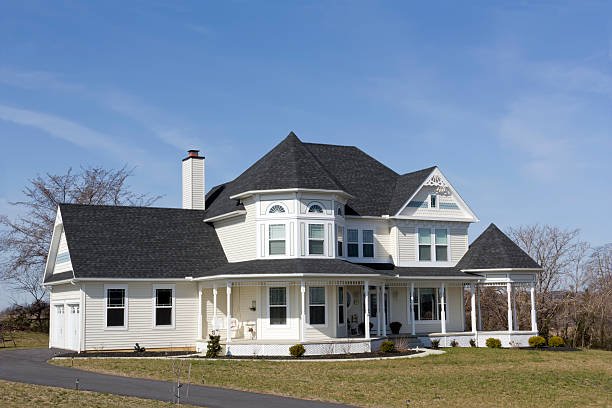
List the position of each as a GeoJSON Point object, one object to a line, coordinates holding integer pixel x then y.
{"type": "Point", "coordinates": [193, 181]}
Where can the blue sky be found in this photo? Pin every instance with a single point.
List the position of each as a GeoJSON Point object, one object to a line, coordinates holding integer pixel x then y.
{"type": "Point", "coordinates": [513, 101]}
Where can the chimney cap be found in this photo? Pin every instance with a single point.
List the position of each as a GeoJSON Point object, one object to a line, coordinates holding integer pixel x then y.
{"type": "Point", "coordinates": [193, 154]}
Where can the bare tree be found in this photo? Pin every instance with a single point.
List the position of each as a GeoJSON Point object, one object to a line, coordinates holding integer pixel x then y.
{"type": "Point", "coordinates": [24, 241]}
{"type": "Point", "coordinates": [599, 275]}
{"type": "Point", "coordinates": [560, 253]}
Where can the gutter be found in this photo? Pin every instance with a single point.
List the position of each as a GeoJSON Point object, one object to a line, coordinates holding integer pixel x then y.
{"type": "Point", "coordinates": [226, 216]}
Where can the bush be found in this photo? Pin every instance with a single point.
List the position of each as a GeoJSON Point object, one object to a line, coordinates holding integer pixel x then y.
{"type": "Point", "coordinates": [435, 343]}
{"type": "Point", "coordinates": [556, 341]}
{"type": "Point", "coordinates": [213, 347]}
{"type": "Point", "coordinates": [387, 347]}
{"type": "Point", "coordinates": [297, 351]}
{"type": "Point", "coordinates": [454, 343]}
{"type": "Point", "coordinates": [537, 341]}
{"type": "Point", "coordinates": [493, 343]}
{"type": "Point", "coordinates": [395, 327]}
{"type": "Point", "coordinates": [472, 342]}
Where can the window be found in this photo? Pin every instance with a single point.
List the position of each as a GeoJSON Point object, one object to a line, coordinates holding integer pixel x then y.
{"type": "Point", "coordinates": [278, 306]}
{"type": "Point", "coordinates": [368, 243]}
{"type": "Point", "coordinates": [315, 208]}
{"type": "Point", "coordinates": [352, 246]}
{"type": "Point", "coordinates": [316, 305]}
{"type": "Point", "coordinates": [341, 318]}
{"type": "Point", "coordinates": [276, 241]}
{"type": "Point", "coordinates": [164, 306]}
{"type": "Point", "coordinates": [316, 238]}
{"type": "Point", "coordinates": [441, 245]}
{"type": "Point", "coordinates": [427, 304]}
{"type": "Point", "coordinates": [433, 201]}
{"type": "Point", "coordinates": [340, 212]}
{"type": "Point", "coordinates": [340, 239]}
{"type": "Point", "coordinates": [424, 244]}
{"type": "Point", "coordinates": [276, 208]}
{"type": "Point", "coordinates": [116, 308]}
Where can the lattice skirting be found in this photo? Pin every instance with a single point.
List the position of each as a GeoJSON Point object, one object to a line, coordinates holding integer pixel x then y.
{"type": "Point", "coordinates": [312, 349]}
{"type": "Point", "coordinates": [507, 339]}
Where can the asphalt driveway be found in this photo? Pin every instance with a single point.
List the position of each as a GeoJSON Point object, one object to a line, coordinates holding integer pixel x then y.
{"type": "Point", "coordinates": [30, 366]}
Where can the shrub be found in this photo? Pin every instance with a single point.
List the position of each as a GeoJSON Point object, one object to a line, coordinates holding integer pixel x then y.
{"type": "Point", "coordinates": [493, 343]}
{"type": "Point", "coordinates": [435, 343]}
{"type": "Point", "coordinates": [297, 351]}
{"type": "Point", "coordinates": [472, 342]}
{"type": "Point", "coordinates": [139, 349]}
{"type": "Point", "coordinates": [213, 347]}
{"type": "Point", "coordinates": [556, 341]}
{"type": "Point", "coordinates": [395, 327]}
{"type": "Point", "coordinates": [454, 343]}
{"type": "Point", "coordinates": [537, 341]}
{"type": "Point", "coordinates": [387, 347]}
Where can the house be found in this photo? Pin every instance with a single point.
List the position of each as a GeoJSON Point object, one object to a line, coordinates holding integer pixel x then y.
{"type": "Point", "coordinates": [306, 246]}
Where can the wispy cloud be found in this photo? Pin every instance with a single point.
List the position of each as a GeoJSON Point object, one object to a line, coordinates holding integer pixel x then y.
{"type": "Point", "coordinates": [61, 128]}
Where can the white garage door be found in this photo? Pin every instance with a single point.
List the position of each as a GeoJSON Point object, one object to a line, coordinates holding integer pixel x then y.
{"type": "Point", "coordinates": [72, 326]}
{"type": "Point", "coordinates": [58, 326]}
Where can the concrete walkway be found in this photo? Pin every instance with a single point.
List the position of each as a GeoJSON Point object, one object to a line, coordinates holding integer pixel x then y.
{"type": "Point", "coordinates": [29, 366]}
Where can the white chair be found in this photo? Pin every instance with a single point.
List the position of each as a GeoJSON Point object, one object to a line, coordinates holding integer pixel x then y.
{"type": "Point", "coordinates": [235, 328]}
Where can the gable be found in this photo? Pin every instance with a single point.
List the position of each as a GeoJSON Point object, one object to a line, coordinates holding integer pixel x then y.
{"type": "Point", "coordinates": [449, 203]}
{"type": "Point", "coordinates": [62, 259]}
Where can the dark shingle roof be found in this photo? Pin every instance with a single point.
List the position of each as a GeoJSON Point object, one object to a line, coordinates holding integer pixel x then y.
{"type": "Point", "coordinates": [377, 190]}
{"type": "Point", "coordinates": [292, 266]}
{"type": "Point", "coordinates": [419, 271]}
{"type": "Point", "coordinates": [494, 250]}
{"type": "Point", "coordinates": [139, 242]}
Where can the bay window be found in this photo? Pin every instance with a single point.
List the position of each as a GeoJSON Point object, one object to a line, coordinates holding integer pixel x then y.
{"type": "Point", "coordinates": [276, 239]}
{"type": "Point", "coordinates": [316, 239]}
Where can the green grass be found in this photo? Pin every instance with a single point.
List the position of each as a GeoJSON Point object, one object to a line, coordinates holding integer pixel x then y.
{"type": "Point", "coordinates": [14, 394]}
{"type": "Point", "coordinates": [27, 340]}
{"type": "Point", "coordinates": [461, 377]}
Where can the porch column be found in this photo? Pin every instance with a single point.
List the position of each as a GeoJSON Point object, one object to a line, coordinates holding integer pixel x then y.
{"type": "Point", "coordinates": [478, 301]}
{"type": "Point", "coordinates": [412, 307]}
{"type": "Point", "coordinates": [215, 309]}
{"type": "Point", "coordinates": [442, 307]}
{"type": "Point", "coordinates": [200, 326]}
{"type": "Point", "coordinates": [367, 309]}
{"type": "Point", "coordinates": [303, 315]}
{"type": "Point", "coordinates": [473, 308]}
{"type": "Point", "coordinates": [514, 319]}
{"type": "Point", "coordinates": [384, 314]}
{"type": "Point", "coordinates": [378, 302]}
{"type": "Point", "coordinates": [534, 321]}
{"type": "Point", "coordinates": [229, 311]}
{"type": "Point", "coordinates": [509, 292]}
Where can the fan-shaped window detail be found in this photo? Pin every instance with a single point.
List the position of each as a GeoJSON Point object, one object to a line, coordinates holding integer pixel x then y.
{"type": "Point", "coordinates": [276, 208]}
{"type": "Point", "coordinates": [315, 208]}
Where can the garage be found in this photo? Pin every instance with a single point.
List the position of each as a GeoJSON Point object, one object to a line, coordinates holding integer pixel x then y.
{"type": "Point", "coordinates": [65, 327]}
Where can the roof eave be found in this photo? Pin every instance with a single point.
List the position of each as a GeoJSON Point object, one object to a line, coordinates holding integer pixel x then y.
{"type": "Point", "coordinates": [289, 190]}
{"type": "Point", "coordinates": [225, 216]}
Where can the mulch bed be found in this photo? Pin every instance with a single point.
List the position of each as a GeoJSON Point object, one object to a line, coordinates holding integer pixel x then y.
{"type": "Point", "coordinates": [127, 354]}
{"type": "Point", "coordinates": [561, 349]}
{"type": "Point", "coordinates": [377, 354]}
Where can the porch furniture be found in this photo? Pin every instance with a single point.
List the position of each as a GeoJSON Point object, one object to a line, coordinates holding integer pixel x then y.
{"type": "Point", "coordinates": [236, 328]}
{"type": "Point", "coordinates": [7, 336]}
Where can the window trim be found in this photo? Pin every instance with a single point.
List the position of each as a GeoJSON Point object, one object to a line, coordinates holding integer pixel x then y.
{"type": "Point", "coordinates": [287, 303]}
{"type": "Point", "coordinates": [154, 305]}
{"type": "Point", "coordinates": [125, 306]}
{"type": "Point", "coordinates": [267, 231]}
{"type": "Point", "coordinates": [275, 203]}
{"type": "Point", "coordinates": [317, 305]}
{"type": "Point", "coordinates": [307, 243]}
{"type": "Point", "coordinates": [363, 244]}
{"type": "Point", "coordinates": [312, 204]}
{"type": "Point", "coordinates": [432, 245]}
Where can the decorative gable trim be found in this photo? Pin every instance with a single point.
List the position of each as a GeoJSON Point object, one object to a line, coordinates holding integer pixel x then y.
{"type": "Point", "coordinates": [436, 179]}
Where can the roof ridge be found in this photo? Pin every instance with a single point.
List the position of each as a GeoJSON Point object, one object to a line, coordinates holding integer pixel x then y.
{"type": "Point", "coordinates": [124, 206]}
{"type": "Point", "coordinates": [327, 172]}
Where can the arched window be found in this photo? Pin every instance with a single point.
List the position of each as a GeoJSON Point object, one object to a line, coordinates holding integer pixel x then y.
{"type": "Point", "coordinates": [276, 208]}
{"type": "Point", "coordinates": [315, 208]}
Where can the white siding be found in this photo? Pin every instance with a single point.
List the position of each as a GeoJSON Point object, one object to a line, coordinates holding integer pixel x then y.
{"type": "Point", "coordinates": [324, 333]}
{"type": "Point", "coordinates": [458, 240]}
{"type": "Point", "coordinates": [407, 243]}
{"type": "Point", "coordinates": [62, 253]}
{"type": "Point", "coordinates": [238, 235]}
{"type": "Point", "coordinates": [193, 184]}
{"type": "Point", "coordinates": [140, 318]}
{"type": "Point", "coordinates": [63, 292]}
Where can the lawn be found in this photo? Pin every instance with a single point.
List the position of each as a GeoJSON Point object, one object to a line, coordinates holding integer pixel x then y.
{"type": "Point", "coordinates": [14, 394]}
{"type": "Point", "coordinates": [461, 377]}
{"type": "Point", "coordinates": [25, 339]}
